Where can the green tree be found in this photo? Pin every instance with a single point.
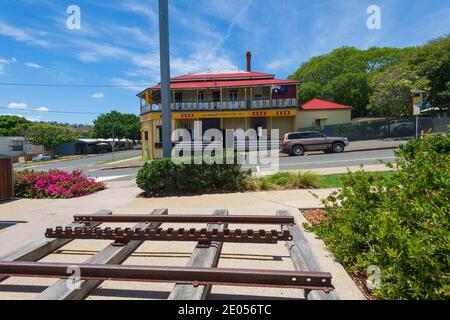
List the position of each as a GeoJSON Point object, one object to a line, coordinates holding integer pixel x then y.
{"type": "Point", "coordinates": [13, 125]}
{"type": "Point", "coordinates": [310, 90]}
{"type": "Point", "coordinates": [50, 136]}
{"type": "Point", "coordinates": [351, 89]}
{"type": "Point", "coordinates": [432, 61]}
{"type": "Point", "coordinates": [392, 95]}
{"type": "Point", "coordinates": [117, 125]}
{"type": "Point", "coordinates": [344, 75]}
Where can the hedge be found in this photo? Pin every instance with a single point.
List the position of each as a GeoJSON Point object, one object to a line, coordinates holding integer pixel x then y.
{"type": "Point", "coordinates": [164, 177]}
{"type": "Point", "coordinates": [399, 223]}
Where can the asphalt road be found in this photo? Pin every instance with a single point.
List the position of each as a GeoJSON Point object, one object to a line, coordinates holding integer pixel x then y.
{"type": "Point", "coordinates": [90, 164]}
{"type": "Point", "coordinates": [321, 160]}
{"type": "Point", "coordinates": [92, 167]}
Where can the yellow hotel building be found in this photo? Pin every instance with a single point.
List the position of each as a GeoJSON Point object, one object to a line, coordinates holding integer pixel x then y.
{"type": "Point", "coordinates": [221, 100]}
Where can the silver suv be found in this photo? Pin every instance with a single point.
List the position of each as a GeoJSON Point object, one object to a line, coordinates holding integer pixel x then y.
{"type": "Point", "coordinates": [297, 143]}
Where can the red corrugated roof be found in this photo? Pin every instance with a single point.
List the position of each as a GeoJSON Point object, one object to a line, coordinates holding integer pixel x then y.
{"type": "Point", "coordinates": [223, 76]}
{"type": "Point", "coordinates": [223, 84]}
{"type": "Point", "coordinates": [317, 104]}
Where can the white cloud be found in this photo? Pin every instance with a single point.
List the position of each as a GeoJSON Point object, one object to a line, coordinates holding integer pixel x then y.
{"type": "Point", "coordinates": [33, 65]}
{"type": "Point", "coordinates": [280, 64]}
{"type": "Point", "coordinates": [92, 52]}
{"type": "Point", "coordinates": [200, 61]}
{"type": "Point", "coordinates": [141, 9]}
{"type": "Point", "coordinates": [21, 35]}
{"type": "Point", "coordinates": [17, 106]}
{"type": "Point", "coordinates": [129, 85]}
{"type": "Point", "coordinates": [4, 62]}
{"type": "Point", "coordinates": [97, 95]}
{"type": "Point", "coordinates": [42, 109]}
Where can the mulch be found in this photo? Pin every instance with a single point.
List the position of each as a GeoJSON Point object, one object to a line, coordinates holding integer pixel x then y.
{"type": "Point", "coordinates": [315, 216]}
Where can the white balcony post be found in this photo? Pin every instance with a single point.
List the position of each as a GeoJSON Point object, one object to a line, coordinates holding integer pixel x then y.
{"type": "Point", "coordinates": [270, 95]}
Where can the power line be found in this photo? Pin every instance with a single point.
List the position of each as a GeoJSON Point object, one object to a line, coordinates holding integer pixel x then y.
{"type": "Point", "coordinates": [52, 111]}
{"type": "Point", "coordinates": [72, 85]}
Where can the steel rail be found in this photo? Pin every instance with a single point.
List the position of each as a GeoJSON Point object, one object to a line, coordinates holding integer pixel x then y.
{"type": "Point", "coordinates": [237, 219]}
{"type": "Point", "coordinates": [204, 236]}
{"type": "Point", "coordinates": [181, 275]}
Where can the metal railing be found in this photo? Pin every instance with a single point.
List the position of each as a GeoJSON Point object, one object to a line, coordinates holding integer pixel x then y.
{"type": "Point", "coordinates": [225, 105]}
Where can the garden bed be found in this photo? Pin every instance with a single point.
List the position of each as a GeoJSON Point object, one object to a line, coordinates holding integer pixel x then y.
{"type": "Point", "coordinates": [54, 184]}
{"type": "Point", "coordinates": [316, 217]}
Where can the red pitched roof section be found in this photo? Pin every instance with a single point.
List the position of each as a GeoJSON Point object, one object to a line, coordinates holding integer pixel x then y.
{"type": "Point", "coordinates": [224, 84]}
{"type": "Point", "coordinates": [223, 80]}
{"type": "Point", "coordinates": [317, 104]}
{"type": "Point", "coordinates": [223, 76]}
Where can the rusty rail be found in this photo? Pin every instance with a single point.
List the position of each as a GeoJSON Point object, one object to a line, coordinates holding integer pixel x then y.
{"type": "Point", "coordinates": [257, 220]}
{"type": "Point", "coordinates": [204, 236]}
{"type": "Point", "coordinates": [194, 276]}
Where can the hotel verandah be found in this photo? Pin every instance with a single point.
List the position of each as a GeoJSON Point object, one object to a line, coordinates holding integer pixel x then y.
{"type": "Point", "coordinates": [229, 100]}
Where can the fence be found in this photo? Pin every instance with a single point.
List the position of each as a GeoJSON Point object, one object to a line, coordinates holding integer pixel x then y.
{"type": "Point", "coordinates": [385, 128]}
{"type": "Point", "coordinates": [6, 180]}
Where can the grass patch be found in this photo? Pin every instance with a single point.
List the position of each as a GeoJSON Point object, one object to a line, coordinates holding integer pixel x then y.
{"type": "Point", "coordinates": [335, 180]}
{"type": "Point", "coordinates": [306, 180]}
{"type": "Point", "coordinates": [285, 181]}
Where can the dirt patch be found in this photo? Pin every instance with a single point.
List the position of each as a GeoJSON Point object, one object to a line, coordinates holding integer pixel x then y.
{"type": "Point", "coordinates": [360, 278]}
{"type": "Point", "coordinates": [315, 216]}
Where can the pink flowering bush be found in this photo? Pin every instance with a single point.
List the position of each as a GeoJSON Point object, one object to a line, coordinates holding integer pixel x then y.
{"type": "Point", "coordinates": [55, 184]}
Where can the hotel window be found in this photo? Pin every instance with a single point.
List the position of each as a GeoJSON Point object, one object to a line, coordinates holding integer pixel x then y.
{"type": "Point", "coordinates": [146, 135]}
{"type": "Point", "coordinates": [159, 135]}
{"type": "Point", "coordinates": [233, 95]}
{"type": "Point", "coordinates": [201, 97]}
{"type": "Point", "coordinates": [178, 97]}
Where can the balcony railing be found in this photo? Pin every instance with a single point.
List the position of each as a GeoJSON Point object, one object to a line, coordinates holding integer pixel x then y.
{"type": "Point", "coordinates": [225, 105]}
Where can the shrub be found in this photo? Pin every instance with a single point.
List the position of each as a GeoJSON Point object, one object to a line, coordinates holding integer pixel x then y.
{"type": "Point", "coordinates": [54, 184]}
{"type": "Point", "coordinates": [164, 177]}
{"type": "Point", "coordinates": [399, 223]}
{"type": "Point", "coordinates": [285, 181]}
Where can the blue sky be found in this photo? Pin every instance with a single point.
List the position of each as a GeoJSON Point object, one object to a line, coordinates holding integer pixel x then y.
{"type": "Point", "coordinates": [118, 44]}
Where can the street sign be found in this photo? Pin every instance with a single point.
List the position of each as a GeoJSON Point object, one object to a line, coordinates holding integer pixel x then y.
{"type": "Point", "coordinates": [417, 104]}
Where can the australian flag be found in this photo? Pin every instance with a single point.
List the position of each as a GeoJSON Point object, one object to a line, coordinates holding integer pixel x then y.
{"type": "Point", "coordinates": [279, 89]}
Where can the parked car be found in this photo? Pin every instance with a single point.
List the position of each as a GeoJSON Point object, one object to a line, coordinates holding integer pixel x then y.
{"type": "Point", "coordinates": [297, 143]}
{"type": "Point", "coordinates": [137, 147]}
{"type": "Point", "coordinates": [42, 157]}
{"type": "Point", "coordinates": [402, 127]}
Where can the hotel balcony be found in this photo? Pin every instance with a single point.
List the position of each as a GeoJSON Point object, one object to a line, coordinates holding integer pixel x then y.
{"type": "Point", "coordinates": [225, 105]}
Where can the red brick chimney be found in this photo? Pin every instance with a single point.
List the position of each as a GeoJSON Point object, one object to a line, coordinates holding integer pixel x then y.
{"type": "Point", "coordinates": [249, 61]}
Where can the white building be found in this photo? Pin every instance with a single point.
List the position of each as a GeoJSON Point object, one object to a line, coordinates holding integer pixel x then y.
{"type": "Point", "coordinates": [17, 146]}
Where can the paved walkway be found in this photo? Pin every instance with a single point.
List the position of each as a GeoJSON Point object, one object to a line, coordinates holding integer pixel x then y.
{"type": "Point", "coordinates": [121, 198]}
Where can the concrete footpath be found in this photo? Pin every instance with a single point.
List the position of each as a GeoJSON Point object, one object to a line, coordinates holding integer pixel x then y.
{"type": "Point", "coordinates": [379, 144]}
{"type": "Point", "coordinates": [121, 198]}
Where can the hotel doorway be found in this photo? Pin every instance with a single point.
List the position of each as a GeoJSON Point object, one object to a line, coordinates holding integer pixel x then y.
{"type": "Point", "coordinates": [258, 124]}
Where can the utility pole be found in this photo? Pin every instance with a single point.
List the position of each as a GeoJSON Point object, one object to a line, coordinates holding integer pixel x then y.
{"type": "Point", "coordinates": [113, 144]}
{"type": "Point", "coordinates": [165, 78]}
{"type": "Point", "coordinates": [417, 107]}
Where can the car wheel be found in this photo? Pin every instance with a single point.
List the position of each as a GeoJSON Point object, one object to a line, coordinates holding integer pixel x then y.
{"type": "Point", "coordinates": [338, 147]}
{"type": "Point", "coordinates": [298, 151]}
